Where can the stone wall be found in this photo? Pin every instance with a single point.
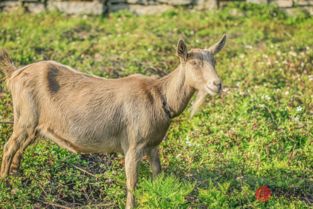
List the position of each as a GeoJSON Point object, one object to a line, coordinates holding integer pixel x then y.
{"type": "Point", "coordinates": [97, 7]}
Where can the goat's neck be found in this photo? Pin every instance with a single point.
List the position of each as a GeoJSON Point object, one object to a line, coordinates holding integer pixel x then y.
{"type": "Point", "coordinates": [176, 91]}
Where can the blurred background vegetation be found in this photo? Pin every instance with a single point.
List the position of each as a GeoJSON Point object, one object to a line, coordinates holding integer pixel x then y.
{"type": "Point", "coordinates": [260, 132]}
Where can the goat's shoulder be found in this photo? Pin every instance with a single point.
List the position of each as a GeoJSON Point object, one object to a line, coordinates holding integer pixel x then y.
{"type": "Point", "coordinates": [139, 82]}
{"type": "Point", "coordinates": [141, 87]}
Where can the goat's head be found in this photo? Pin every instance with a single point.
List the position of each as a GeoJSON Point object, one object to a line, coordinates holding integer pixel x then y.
{"type": "Point", "coordinates": [200, 73]}
{"type": "Point", "coordinates": [199, 65]}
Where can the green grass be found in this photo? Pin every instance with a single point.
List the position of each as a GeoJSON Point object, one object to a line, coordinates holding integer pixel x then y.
{"type": "Point", "coordinates": [260, 132]}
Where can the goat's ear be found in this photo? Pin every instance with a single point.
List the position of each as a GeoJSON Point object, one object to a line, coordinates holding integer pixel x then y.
{"type": "Point", "coordinates": [182, 51]}
{"type": "Point", "coordinates": [218, 46]}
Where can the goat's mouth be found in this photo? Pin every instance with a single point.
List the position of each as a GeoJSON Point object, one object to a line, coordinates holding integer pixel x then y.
{"type": "Point", "coordinates": [213, 92]}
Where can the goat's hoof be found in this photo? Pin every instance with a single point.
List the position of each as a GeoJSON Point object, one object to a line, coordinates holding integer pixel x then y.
{"type": "Point", "coordinates": [130, 204]}
{"type": "Point", "coordinates": [13, 171]}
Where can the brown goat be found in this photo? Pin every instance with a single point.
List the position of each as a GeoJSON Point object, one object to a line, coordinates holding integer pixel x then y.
{"type": "Point", "coordinates": [87, 114]}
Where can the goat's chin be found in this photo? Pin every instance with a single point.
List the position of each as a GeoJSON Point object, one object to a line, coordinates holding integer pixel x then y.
{"type": "Point", "coordinates": [211, 91]}
{"type": "Point", "coordinates": [200, 98]}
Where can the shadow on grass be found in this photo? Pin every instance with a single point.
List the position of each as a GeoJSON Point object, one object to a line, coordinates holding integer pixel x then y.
{"type": "Point", "coordinates": [286, 183]}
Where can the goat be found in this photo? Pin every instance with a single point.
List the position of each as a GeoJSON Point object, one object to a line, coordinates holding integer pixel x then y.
{"type": "Point", "coordinates": [88, 114]}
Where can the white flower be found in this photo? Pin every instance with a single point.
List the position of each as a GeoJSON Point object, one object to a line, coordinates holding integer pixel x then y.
{"type": "Point", "coordinates": [266, 97]}
{"type": "Point", "coordinates": [299, 109]}
{"type": "Point", "coordinates": [188, 142]}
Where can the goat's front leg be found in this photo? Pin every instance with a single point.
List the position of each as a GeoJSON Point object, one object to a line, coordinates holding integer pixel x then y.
{"type": "Point", "coordinates": [131, 162]}
{"type": "Point", "coordinates": [154, 160]}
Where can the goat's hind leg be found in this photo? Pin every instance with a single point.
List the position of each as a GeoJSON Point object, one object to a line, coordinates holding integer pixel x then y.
{"type": "Point", "coordinates": [25, 122]}
{"type": "Point", "coordinates": [18, 155]}
{"type": "Point", "coordinates": [10, 149]}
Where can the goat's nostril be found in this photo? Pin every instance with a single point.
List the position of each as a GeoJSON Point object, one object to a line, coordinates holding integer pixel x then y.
{"type": "Point", "coordinates": [219, 87]}
{"type": "Point", "coordinates": [217, 83]}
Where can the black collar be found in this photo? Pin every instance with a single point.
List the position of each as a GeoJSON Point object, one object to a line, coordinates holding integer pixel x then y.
{"type": "Point", "coordinates": [167, 109]}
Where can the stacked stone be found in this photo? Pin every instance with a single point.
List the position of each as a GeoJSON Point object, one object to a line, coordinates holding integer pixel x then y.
{"type": "Point", "coordinates": [96, 7]}
{"type": "Point", "coordinates": [291, 6]}
{"type": "Point", "coordinates": [158, 6]}
{"type": "Point", "coordinates": [141, 7]}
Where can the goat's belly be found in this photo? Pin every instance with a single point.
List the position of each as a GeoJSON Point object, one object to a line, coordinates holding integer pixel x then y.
{"type": "Point", "coordinates": [107, 145]}
{"type": "Point", "coordinates": [83, 145]}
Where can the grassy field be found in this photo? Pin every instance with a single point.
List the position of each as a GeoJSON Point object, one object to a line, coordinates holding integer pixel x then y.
{"type": "Point", "coordinates": [260, 132]}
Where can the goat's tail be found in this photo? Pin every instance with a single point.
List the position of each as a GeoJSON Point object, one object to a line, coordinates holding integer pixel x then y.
{"type": "Point", "coordinates": [6, 65]}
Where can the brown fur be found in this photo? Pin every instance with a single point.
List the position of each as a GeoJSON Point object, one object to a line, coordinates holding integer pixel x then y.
{"type": "Point", "coordinates": [87, 114]}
